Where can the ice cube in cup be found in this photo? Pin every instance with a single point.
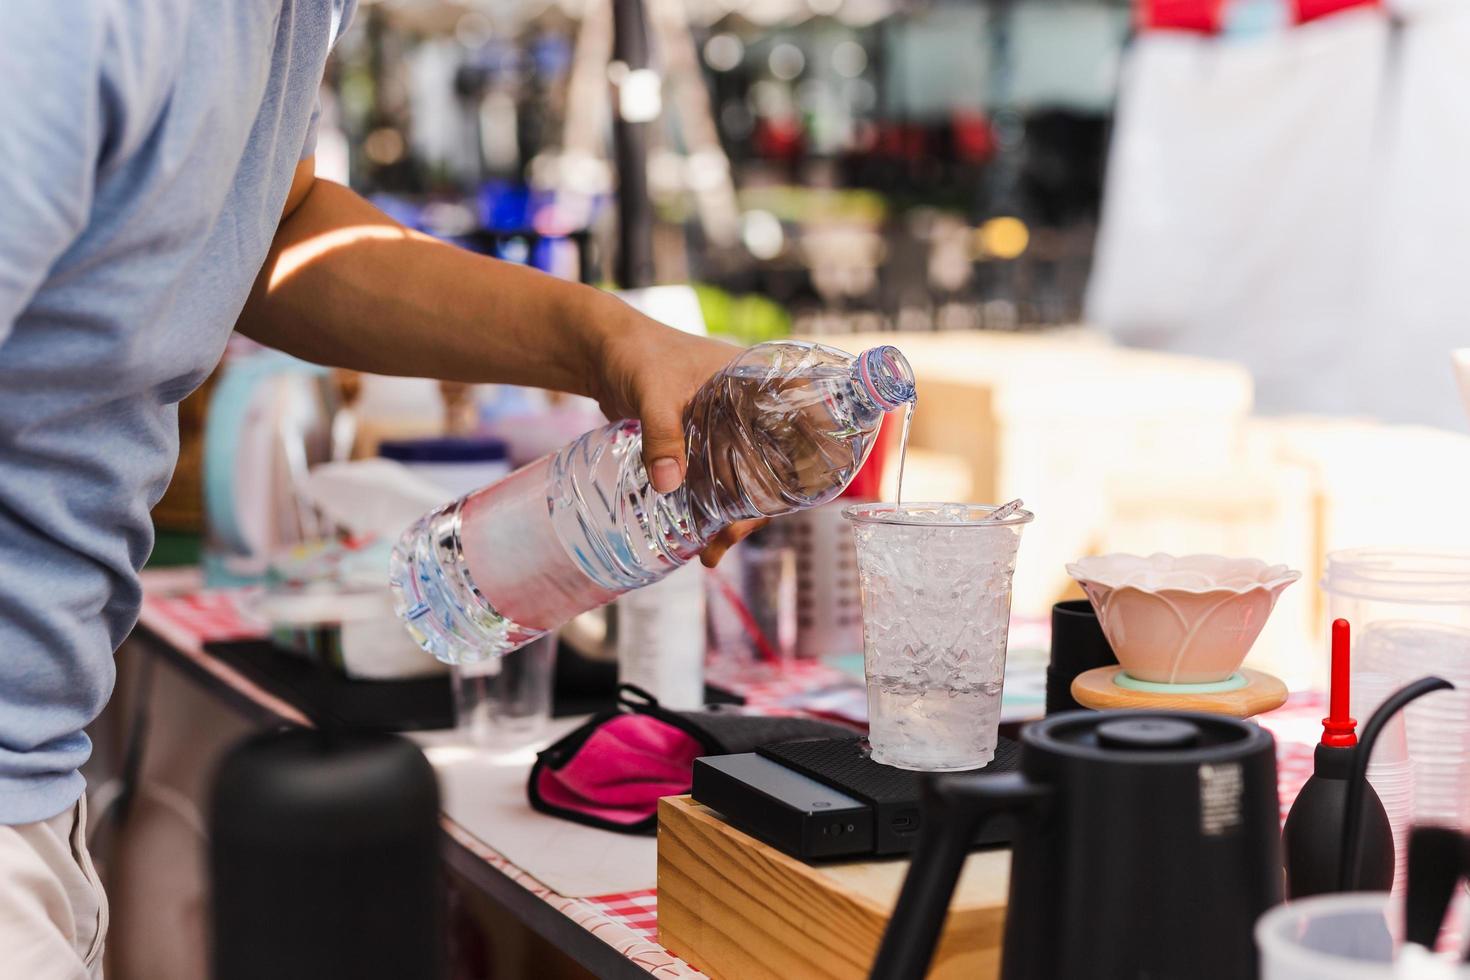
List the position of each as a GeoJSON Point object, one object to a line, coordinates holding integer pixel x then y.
{"type": "Point", "coordinates": [936, 594]}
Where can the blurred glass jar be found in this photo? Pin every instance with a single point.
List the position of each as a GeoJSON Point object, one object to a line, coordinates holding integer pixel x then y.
{"type": "Point", "coordinates": [505, 702]}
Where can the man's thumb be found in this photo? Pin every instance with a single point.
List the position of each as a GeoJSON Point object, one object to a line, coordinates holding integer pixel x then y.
{"type": "Point", "coordinates": [663, 451]}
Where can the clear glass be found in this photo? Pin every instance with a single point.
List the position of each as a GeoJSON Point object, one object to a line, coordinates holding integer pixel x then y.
{"type": "Point", "coordinates": [784, 427]}
{"type": "Point", "coordinates": [1340, 937]}
{"type": "Point", "coordinates": [936, 593]}
{"type": "Point", "coordinates": [505, 702]}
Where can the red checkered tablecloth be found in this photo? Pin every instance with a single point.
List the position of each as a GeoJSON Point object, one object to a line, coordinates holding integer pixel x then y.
{"type": "Point", "coordinates": [209, 616]}
{"type": "Point", "coordinates": [637, 911]}
{"type": "Point", "coordinates": [629, 921]}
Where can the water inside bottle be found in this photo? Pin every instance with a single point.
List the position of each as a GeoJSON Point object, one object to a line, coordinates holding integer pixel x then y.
{"type": "Point", "coordinates": [763, 445]}
{"type": "Point", "coordinates": [758, 446]}
{"type": "Point", "coordinates": [784, 427]}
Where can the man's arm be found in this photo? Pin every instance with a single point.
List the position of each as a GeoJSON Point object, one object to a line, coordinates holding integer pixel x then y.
{"type": "Point", "coordinates": [346, 285]}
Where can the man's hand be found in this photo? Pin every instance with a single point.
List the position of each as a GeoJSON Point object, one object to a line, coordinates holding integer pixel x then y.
{"type": "Point", "coordinates": [642, 369]}
{"type": "Point", "coordinates": [346, 285]}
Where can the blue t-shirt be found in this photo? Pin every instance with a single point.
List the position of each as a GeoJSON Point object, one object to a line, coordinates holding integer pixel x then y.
{"type": "Point", "coordinates": [146, 150]}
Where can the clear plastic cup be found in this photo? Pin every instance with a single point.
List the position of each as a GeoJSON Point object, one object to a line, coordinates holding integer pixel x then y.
{"type": "Point", "coordinates": [1336, 937]}
{"type": "Point", "coordinates": [505, 702]}
{"type": "Point", "coordinates": [1370, 688]}
{"type": "Point", "coordinates": [936, 595]}
{"type": "Point", "coordinates": [1390, 770]}
{"type": "Point", "coordinates": [1437, 725]}
{"type": "Point", "coordinates": [1368, 585]}
{"type": "Point", "coordinates": [1410, 613]}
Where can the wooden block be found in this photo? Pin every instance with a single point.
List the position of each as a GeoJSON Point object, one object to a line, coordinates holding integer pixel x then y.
{"type": "Point", "coordinates": [1262, 693]}
{"type": "Point", "coordinates": [739, 909]}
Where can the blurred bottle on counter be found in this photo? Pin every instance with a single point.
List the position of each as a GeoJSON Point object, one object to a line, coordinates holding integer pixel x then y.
{"type": "Point", "coordinates": [784, 427]}
{"type": "Point", "coordinates": [751, 599]}
{"type": "Point", "coordinates": [661, 638]}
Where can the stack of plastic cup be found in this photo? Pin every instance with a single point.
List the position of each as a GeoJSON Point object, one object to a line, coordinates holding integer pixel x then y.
{"type": "Point", "coordinates": [1438, 725]}
{"type": "Point", "coordinates": [1354, 936]}
{"type": "Point", "coordinates": [1391, 769]}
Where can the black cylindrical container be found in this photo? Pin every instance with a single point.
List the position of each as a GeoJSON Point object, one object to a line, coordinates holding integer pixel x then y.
{"type": "Point", "coordinates": [324, 857]}
{"type": "Point", "coordinates": [1146, 845]}
{"type": "Point", "coordinates": [1077, 645]}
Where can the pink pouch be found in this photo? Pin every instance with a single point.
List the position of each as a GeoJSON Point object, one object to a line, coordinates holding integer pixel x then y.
{"type": "Point", "coordinates": [618, 772]}
{"type": "Point", "coordinates": [610, 772]}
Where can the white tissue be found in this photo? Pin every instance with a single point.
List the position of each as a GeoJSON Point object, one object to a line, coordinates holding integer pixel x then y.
{"type": "Point", "coordinates": [377, 497]}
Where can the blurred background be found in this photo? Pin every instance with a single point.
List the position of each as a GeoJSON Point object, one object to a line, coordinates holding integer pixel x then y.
{"type": "Point", "coordinates": [1184, 274]}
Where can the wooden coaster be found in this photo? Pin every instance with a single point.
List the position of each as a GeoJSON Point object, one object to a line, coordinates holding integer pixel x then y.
{"type": "Point", "coordinates": [1262, 692]}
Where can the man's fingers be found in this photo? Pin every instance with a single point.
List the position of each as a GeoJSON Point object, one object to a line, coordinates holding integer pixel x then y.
{"type": "Point", "coordinates": [727, 539]}
{"type": "Point", "coordinates": [663, 448]}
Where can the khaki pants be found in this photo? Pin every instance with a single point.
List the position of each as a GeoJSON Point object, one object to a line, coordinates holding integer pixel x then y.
{"type": "Point", "coordinates": [53, 913]}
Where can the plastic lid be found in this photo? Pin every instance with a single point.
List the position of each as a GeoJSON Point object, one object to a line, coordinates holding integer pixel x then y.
{"type": "Point", "coordinates": [1156, 737]}
{"type": "Point", "coordinates": [452, 449]}
{"type": "Point", "coordinates": [1415, 577]}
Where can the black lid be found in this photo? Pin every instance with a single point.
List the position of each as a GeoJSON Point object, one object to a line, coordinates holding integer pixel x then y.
{"type": "Point", "coordinates": [1149, 736]}
{"type": "Point", "coordinates": [450, 449]}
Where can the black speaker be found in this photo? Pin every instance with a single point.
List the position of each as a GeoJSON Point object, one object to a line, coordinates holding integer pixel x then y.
{"type": "Point", "coordinates": [324, 858]}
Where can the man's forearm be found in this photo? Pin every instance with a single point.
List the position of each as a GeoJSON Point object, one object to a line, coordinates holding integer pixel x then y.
{"type": "Point", "coordinates": [346, 285]}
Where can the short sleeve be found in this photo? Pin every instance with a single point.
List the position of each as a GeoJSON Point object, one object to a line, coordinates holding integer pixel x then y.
{"type": "Point", "coordinates": [53, 140]}
{"type": "Point", "coordinates": [342, 12]}
{"type": "Point", "coordinates": [308, 145]}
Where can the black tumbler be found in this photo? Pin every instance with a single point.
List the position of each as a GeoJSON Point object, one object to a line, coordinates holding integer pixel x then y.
{"type": "Point", "coordinates": [324, 858]}
{"type": "Point", "coordinates": [1077, 646]}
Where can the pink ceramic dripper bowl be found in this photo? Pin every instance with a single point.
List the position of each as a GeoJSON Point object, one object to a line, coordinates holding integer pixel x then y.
{"type": "Point", "coordinates": [1187, 619]}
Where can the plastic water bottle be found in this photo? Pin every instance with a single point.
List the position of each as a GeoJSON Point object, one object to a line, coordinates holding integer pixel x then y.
{"type": "Point", "coordinates": [783, 427]}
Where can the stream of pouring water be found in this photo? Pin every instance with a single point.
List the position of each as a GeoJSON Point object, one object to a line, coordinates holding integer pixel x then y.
{"type": "Point", "coordinates": [903, 452]}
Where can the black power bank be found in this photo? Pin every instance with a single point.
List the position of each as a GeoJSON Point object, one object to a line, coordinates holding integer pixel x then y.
{"type": "Point", "coordinates": [823, 799]}
{"type": "Point", "coordinates": [791, 812]}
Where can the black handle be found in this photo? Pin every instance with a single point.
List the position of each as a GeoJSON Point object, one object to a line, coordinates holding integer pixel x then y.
{"type": "Point", "coordinates": [1351, 857]}
{"type": "Point", "coordinates": [955, 807]}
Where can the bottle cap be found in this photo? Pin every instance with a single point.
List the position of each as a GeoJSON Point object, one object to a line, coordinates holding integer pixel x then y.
{"type": "Point", "coordinates": [449, 449]}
